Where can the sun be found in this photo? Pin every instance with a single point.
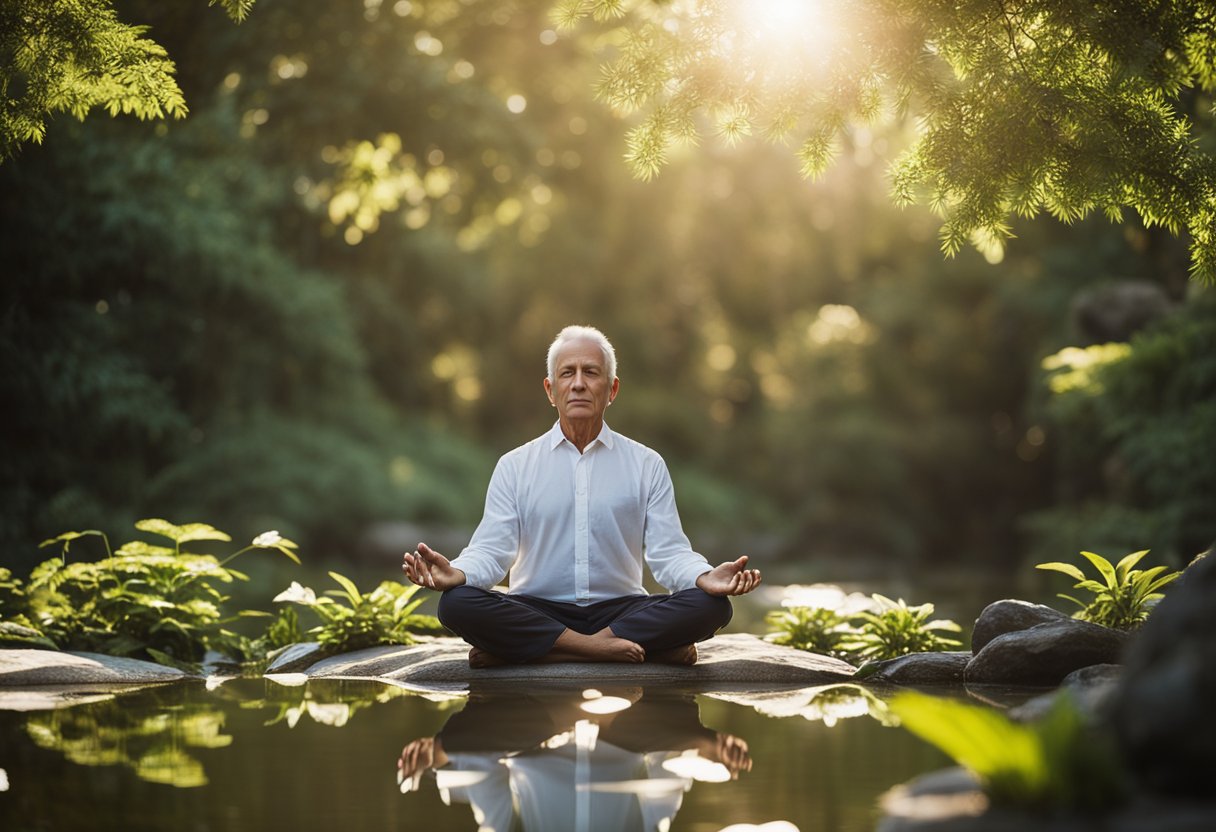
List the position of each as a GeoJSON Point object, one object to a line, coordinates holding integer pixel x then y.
{"type": "Point", "coordinates": [787, 25]}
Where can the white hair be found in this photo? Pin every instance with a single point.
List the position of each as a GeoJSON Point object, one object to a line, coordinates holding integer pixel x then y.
{"type": "Point", "coordinates": [580, 333]}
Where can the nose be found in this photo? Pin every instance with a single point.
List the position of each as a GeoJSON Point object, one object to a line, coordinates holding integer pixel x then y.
{"type": "Point", "coordinates": [580, 380]}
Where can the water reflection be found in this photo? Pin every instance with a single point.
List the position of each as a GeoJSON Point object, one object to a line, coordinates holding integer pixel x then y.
{"type": "Point", "coordinates": [577, 760]}
{"type": "Point", "coordinates": [158, 746]}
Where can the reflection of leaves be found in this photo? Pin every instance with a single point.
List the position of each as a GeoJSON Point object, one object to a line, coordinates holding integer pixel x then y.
{"type": "Point", "coordinates": [155, 746]}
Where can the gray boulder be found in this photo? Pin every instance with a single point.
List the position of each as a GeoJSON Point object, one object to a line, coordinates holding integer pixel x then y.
{"type": "Point", "coordinates": [1091, 688]}
{"type": "Point", "coordinates": [1009, 616]}
{"type": "Point", "coordinates": [1044, 654]}
{"type": "Point", "coordinates": [920, 669]}
{"type": "Point", "coordinates": [1163, 714]}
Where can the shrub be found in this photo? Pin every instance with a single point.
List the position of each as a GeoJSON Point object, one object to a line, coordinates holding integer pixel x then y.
{"type": "Point", "coordinates": [1123, 597]}
{"type": "Point", "coordinates": [354, 620]}
{"type": "Point", "coordinates": [145, 600]}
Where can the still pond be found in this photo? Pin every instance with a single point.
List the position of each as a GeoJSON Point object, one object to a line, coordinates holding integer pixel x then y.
{"type": "Point", "coordinates": [253, 754]}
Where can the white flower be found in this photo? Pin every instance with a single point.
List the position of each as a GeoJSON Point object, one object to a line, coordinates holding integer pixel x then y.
{"type": "Point", "coordinates": [265, 539]}
{"type": "Point", "coordinates": [297, 594]}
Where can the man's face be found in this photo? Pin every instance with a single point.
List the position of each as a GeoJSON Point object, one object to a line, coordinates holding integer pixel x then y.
{"type": "Point", "coordinates": [580, 388]}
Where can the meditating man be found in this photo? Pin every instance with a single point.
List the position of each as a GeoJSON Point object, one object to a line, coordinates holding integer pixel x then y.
{"type": "Point", "coordinates": [571, 515]}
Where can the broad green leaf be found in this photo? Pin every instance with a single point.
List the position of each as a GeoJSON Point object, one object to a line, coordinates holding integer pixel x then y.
{"type": "Point", "coordinates": [1067, 568]}
{"type": "Point", "coordinates": [140, 548]}
{"type": "Point", "coordinates": [1103, 566]}
{"type": "Point", "coordinates": [181, 534]}
{"type": "Point", "coordinates": [1127, 562]}
{"type": "Point", "coordinates": [1005, 755]}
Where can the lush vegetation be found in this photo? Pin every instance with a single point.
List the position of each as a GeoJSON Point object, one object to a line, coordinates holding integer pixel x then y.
{"type": "Point", "coordinates": [1122, 597]}
{"type": "Point", "coordinates": [164, 602]}
{"type": "Point", "coordinates": [1057, 763]}
{"type": "Point", "coordinates": [350, 620]}
{"type": "Point", "coordinates": [886, 629]}
{"type": "Point", "coordinates": [319, 302]}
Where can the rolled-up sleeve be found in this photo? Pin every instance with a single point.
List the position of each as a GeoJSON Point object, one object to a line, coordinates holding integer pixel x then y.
{"type": "Point", "coordinates": [495, 543]}
{"type": "Point", "coordinates": [670, 556]}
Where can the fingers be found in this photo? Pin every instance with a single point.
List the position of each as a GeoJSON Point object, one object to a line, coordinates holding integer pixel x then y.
{"type": "Point", "coordinates": [744, 582]}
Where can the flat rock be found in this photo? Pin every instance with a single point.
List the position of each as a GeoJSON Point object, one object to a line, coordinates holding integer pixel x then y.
{"type": "Point", "coordinates": [1044, 654]}
{"type": "Point", "coordinates": [725, 661]}
{"type": "Point", "coordinates": [1009, 616]}
{"type": "Point", "coordinates": [927, 669]}
{"type": "Point", "coordinates": [33, 668]}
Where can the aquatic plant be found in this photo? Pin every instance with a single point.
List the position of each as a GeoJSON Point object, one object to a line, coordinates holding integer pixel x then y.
{"type": "Point", "coordinates": [355, 620]}
{"type": "Point", "coordinates": [1058, 762]}
{"type": "Point", "coordinates": [147, 600]}
{"type": "Point", "coordinates": [1123, 597]}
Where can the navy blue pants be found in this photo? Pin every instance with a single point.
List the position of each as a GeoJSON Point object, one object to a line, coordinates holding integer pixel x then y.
{"type": "Point", "coordinates": [519, 628]}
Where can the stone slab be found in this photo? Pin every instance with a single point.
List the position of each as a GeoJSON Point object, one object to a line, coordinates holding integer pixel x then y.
{"type": "Point", "coordinates": [725, 661]}
{"type": "Point", "coordinates": [34, 668]}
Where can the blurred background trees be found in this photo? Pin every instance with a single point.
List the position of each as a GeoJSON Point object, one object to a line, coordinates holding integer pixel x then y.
{"type": "Point", "coordinates": [321, 302]}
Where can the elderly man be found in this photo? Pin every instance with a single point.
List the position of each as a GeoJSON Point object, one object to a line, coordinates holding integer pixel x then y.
{"type": "Point", "coordinates": [571, 515]}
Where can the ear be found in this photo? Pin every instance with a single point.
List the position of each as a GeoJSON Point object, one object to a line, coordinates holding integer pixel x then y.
{"type": "Point", "coordinates": [616, 386]}
{"type": "Point", "coordinates": [549, 391]}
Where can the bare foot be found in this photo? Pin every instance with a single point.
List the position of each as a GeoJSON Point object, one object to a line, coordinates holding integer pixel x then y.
{"type": "Point", "coordinates": [686, 655]}
{"type": "Point", "coordinates": [604, 646]}
{"type": "Point", "coordinates": [480, 658]}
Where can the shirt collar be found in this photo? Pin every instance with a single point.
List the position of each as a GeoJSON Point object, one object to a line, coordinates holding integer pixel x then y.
{"type": "Point", "coordinates": [555, 436]}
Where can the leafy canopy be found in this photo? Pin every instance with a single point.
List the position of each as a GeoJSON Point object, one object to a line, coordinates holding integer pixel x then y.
{"type": "Point", "coordinates": [74, 55]}
{"type": "Point", "coordinates": [1022, 106]}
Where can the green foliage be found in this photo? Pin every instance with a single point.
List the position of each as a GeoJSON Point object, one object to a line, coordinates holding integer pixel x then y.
{"type": "Point", "coordinates": [143, 600]}
{"type": "Point", "coordinates": [1064, 108]}
{"type": "Point", "coordinates": [1123, 597]}
{"type": "Point", "coordinates": [894, 629]}
{"type": "Point", "coordinates": [350, 620]}
{"type": "Point", "coordinates": [1058, 763]}
{"type": "Point", "coordinates": [814, 629]}
{"type": "Point", "coordinates": [885, 631]}
{"type": "Point", "coordinates": [74, 55]}
{"type": "Point", "coordinates": [1130, 425]}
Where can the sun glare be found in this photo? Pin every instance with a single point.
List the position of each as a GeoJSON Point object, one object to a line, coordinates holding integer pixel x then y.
{"type": "Point", "coordinates": [784, 25]}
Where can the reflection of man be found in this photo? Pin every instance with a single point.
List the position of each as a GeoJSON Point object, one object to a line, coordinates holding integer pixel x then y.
{"type": "Point", "coordinates": [571, 515]}
{"type": "Point", "coordinates": [557, 767]}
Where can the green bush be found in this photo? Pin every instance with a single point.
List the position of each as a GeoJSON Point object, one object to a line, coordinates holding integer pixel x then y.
{"type": "Point", "coordinates": [1124, 596]}
{"type": "Point", "coordinates": [144, 600]}
{"type": "Point", "coordinates": [886, 630]}
{"type": "Point", "coordinates": [350, 620]}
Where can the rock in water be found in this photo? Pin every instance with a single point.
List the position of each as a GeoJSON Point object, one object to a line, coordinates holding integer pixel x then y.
{"type": "Point", "coordinates": [1008, 616]}
{"type": "Point", "coordinates": [1044, 654]}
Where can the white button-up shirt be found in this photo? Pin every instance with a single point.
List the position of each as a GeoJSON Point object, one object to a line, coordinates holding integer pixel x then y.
{"type": "Point", "coordinates": [575, 527]}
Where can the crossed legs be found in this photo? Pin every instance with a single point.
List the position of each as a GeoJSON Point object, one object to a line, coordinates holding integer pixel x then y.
{"type": "Point", "coordinates": [512, 629]}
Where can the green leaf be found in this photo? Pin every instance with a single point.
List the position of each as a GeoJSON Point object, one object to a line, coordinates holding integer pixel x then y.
{"type": "Point", "coordinates": [1127, 562]}
{"type": "Point", "coordinates": [181, 534]}
{"type": "Point", "coordinates": [351, 591]}
{"type": "Point", "coordinates": [1104, 567]}
{"type": "Point", "coordinates": [1067, 568]}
